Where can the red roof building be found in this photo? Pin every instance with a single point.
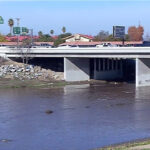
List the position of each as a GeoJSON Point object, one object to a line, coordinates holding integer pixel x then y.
{"type": "Point", "coordinates": [20, 43]}
{"type": "Point", "coordinates": [55, 37]}
{"type": "Point", "coordinates": [79, 37]}
{"type": "Point", "coordinates": [21, 38]}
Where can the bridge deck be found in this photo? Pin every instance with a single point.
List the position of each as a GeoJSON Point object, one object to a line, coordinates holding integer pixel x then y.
{"type": "Point", "coordinates": [110, 52]}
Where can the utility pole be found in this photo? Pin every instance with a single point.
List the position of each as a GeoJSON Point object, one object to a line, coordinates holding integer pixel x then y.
{"type": "Point", "coordinates": [123, 41]}
{"type": "Point", "coordinates": [31, 37]}
{"type": "Point", "coordinates": [18, 22]}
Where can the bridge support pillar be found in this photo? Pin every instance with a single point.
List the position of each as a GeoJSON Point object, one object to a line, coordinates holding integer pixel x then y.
{"type": "Point", "coordinates": [142, 72]}
{"type": "Point", "coordinates": [76, 69]}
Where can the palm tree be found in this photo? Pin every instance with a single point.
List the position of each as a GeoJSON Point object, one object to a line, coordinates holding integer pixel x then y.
{"type": "Point", "coordinates": [40, 33]}
{"type": "Point", "coordinates": [11, 24]}
{"type": "Point", "coordinates": [63, 29]}
{"type": "Point", "coordinates": [52, 32]}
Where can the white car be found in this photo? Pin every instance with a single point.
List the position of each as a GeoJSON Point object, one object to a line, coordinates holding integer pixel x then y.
{"type": "Point", "coordinates": [64, 46]}
{"type": "Point", "coordinates": [106, 45]}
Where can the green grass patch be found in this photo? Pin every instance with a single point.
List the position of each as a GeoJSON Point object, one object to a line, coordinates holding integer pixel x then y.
{"type": "Point", "coordinates": [9, 83]}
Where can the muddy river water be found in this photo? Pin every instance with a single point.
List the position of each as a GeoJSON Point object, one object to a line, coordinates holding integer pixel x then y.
{"type": "Point", "coordinates": [84, 116]}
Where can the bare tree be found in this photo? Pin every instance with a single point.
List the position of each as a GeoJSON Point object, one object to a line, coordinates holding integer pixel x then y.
{"type": "Point", "coordinates": [25, 51]}
{"type": "Point", "coordinates": [147, 37]}
{"type": "Point", "coordinates": [102, 36]}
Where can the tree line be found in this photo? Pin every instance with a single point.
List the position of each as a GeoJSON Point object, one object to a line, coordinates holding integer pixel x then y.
{"type": "Point", "coordinates": [134, 34]}
{"type": "Point", "coordinates": [50, 38]}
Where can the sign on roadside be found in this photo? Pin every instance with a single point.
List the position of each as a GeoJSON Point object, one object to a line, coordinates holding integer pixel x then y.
{"type": "Point", "coordinates": [1, 20]}
{"type": "Point", "coordinates": [16, 30]}
{"type": "Point", "coordinates": [119, 32]}
{"type": "Point", "coordinates": [25, 30]}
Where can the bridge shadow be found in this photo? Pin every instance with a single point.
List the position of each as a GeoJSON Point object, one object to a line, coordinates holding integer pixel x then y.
{"type": "Point", "coordinates": [129, 70]}
{"type": "Point", "coordinates": [54, 64]}
{"type": "Point", "coordinates": [127, 75]}
{"type": "Point", "coordinates": [57, 65]}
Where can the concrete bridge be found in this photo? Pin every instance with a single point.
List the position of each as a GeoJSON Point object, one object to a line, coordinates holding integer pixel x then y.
{"type": "Point", "coordinates": [107, 62]}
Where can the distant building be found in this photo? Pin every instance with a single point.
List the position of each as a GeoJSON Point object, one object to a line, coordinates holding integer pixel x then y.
{"type": "Point", "coordinates": [79, 37]}
{"type": "Point", "coordinates": [94, 44]}
{"type": "Point", "coordinates": [8, 43]}
{"type": "Point", "coordinates": [81, 44]}
{"type": "Point", "coordinates": [55, 37]}
{"type": "Point", "coordinates": [42, 44]}
{"type": "Point", "coordinates": [21, 38]}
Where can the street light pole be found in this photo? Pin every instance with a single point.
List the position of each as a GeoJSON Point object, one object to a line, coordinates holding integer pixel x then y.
{"type": "Point", "coordinates": [31, 37]}
{"type": "Point", "coordinates": [18, 22]}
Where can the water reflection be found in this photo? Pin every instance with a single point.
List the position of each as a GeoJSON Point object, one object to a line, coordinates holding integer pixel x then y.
{"type": "Point", "coordinates": [142, 93]}
{"type": "Point", "coordinates": [141, 110]}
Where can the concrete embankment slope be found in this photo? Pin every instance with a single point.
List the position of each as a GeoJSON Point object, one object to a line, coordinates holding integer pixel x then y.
{"type": "Point", "coordinates": [14, 70]}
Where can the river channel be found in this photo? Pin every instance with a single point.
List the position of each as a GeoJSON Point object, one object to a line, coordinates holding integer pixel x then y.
{"type": "Point", "coordinates": [84, 116]}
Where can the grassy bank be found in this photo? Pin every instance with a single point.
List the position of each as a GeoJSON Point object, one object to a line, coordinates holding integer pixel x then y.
{"type": "Point", "coordinates": [135, 145]}
{"type": "Point", "coordinates": [9, 83]}
{"type": "Point", "coordinates": [13, 83]}
{"type": "Point", "coordinates": [16, 83]}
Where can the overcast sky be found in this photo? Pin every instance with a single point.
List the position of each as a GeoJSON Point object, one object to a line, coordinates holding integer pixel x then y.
{"type": "Point", "coordinates": [78, 16]}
